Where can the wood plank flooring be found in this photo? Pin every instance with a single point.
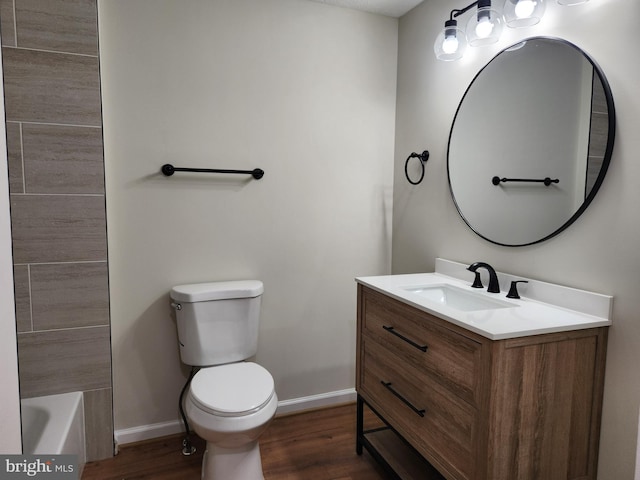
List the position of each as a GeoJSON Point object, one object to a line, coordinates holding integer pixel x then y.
{"type": "Point", "coordinates": [317, 445]}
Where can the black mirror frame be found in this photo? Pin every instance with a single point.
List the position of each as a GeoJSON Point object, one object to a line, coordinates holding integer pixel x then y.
{"type": "Point", "coordinates": [605, 162]}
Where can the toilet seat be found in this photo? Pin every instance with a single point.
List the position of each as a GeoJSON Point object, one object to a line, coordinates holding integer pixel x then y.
{"type": "Point", "coordinates": [232, 390]}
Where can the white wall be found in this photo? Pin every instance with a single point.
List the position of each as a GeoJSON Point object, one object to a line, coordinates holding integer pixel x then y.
{"type": "Point", "coordinates": [302, 90]}
{"type": "Point", "coordinates": [600, 252]}
{"type": "Point", "coordinates": [10, 440]}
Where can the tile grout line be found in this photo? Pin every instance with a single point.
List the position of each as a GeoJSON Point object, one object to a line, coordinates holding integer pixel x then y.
{"type": "Point", "coordinates": [57, 52]}
{"type": "Point", "coordinates": [26, 194]}
{"type": "Point", "coordinates": [24, 175]}
{"type": "Point", "coordinates": [54, 124]}
{"type": "Point", "coordinates": [15, 23]}
{"type": "Point", "coordinates": [30, 297]}
{"type": "Point", "coordinates": [84, 327]}
{"type": "Point", "coordinates": [70, 262]}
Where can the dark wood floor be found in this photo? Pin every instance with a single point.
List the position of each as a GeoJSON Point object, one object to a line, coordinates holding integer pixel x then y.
{"type": "Point", "coordinates": [317, 445]}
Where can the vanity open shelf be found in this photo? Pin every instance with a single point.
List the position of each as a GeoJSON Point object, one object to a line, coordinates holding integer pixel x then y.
{"type": "Point", "coordinates": [523, 407]}
{"type": "Point", "coordinates": [390, 449]}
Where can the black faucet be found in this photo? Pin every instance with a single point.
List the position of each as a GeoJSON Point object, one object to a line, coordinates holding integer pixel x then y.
{"type": "Point", "coordinates": [494, 286]}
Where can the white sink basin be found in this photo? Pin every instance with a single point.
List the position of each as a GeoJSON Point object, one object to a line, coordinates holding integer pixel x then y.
{"type": "Point", "coordinates": [447, 294]}
{"type": "Point", "coordinates": [458, 298]}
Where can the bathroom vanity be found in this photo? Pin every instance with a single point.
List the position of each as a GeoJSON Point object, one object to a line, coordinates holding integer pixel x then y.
{"type": "Point", "coordinates": [479, 386]}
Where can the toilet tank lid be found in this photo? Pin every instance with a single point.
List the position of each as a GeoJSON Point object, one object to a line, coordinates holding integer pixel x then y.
{"type": "Point", "coordinates": [203, 292]}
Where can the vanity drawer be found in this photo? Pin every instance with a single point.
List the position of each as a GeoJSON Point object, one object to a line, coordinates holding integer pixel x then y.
{"type": "Point", "coordinates": [423, 342]}
{"type": "Point", "coordinates": [440, 426]}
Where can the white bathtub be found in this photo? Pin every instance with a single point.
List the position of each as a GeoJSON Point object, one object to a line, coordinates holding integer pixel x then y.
{"type": "Point", "coordinates": [54, 424]}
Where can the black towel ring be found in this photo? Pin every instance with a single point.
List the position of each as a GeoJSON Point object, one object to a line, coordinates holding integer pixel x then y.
{"type": "Point", "coordinates": [424, 156]}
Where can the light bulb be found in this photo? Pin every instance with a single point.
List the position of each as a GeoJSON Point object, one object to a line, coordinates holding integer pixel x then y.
{"type": "Point", "coordinates": [524, 8]}
{"type": "Point", "coordinates": [484, 27]}
{"type": "Point", "coordinates": [450, 44]}
{"type": "Point", "coordinates": [523, 13]}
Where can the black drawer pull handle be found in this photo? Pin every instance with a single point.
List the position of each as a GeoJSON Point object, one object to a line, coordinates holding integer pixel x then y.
{"type": "Point", "coordinates": [387, 385]}
{"type": "Point", "coordinates": [410, 342]}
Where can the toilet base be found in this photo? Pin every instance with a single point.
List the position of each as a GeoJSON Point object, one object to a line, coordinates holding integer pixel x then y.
{"type": "Point", "coordinates": [242, 463]}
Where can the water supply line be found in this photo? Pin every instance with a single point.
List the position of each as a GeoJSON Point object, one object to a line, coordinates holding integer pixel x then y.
{"type": "Point", "coordinates": [187, 447]}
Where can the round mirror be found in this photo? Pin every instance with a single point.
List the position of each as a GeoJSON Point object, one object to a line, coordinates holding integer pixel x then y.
{"type": "Point", "coordinates": [531, 142]}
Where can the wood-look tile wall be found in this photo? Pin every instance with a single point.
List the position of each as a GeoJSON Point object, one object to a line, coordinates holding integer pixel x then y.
{"type": "Point", "coordinates": [599, 133]}
{"type": "Point", "coordinates": [56, 177]}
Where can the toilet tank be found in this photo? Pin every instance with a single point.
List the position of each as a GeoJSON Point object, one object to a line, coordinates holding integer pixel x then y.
{"type": "Point", "coordinates": [217, 321]}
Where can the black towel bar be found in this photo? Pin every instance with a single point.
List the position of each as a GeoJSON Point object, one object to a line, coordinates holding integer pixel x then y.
{"type": "Point", "coordinates": [547, 181]}
{"type": "Point", "coordinates": [169, 170]}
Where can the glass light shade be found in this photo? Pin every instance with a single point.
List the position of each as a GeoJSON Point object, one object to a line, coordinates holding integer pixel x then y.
{"type": "Point", "coordinates": [451, 43]}
{"type": "Point", "coordinates": [571, 2]}
{"type": "Point", "coordinates": [524, 13]}
{"type": "Point", "coordinates": [484, 28]}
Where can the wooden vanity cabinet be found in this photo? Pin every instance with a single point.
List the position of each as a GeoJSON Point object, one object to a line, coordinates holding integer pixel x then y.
{"type": "Point", "coordinates": [477, 409]}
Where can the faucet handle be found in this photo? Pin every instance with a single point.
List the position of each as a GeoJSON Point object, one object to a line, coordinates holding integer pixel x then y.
{"type": "Point", "coordinates": [477, 283]}
{"type": "Point", "coordinates": [513, 291]}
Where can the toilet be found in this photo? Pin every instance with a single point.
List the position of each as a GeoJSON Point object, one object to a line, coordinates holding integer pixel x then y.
{"type": "Point", "coordinates": [231, 400]}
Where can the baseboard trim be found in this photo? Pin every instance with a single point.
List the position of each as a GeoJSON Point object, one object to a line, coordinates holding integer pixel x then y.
{"type": "Point", "coordinates": [285, 407]}
{"type": "Point", "coordinates": [147, 432]}
{"type": "Point", "coordinates": [312, 402]}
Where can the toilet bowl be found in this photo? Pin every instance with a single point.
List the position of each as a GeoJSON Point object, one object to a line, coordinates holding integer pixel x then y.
{"type": "Point", "coordinates": [230, 406]}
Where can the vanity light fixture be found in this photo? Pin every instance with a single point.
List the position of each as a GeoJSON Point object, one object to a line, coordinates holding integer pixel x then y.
{"type": "Point", "coordinates": [451, 43]}
{"type": "Point", "coordinates": [485, 27]}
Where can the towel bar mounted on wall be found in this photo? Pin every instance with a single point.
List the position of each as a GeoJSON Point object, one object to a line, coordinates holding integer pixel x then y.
{"type": "Point", "coordinates": [547, 180]}
{"type": "Point", "coordinates": [168, 170]}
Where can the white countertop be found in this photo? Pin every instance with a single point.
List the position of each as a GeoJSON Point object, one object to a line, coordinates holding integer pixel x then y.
{"type": "Point", "coordinates": [571, 309]}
